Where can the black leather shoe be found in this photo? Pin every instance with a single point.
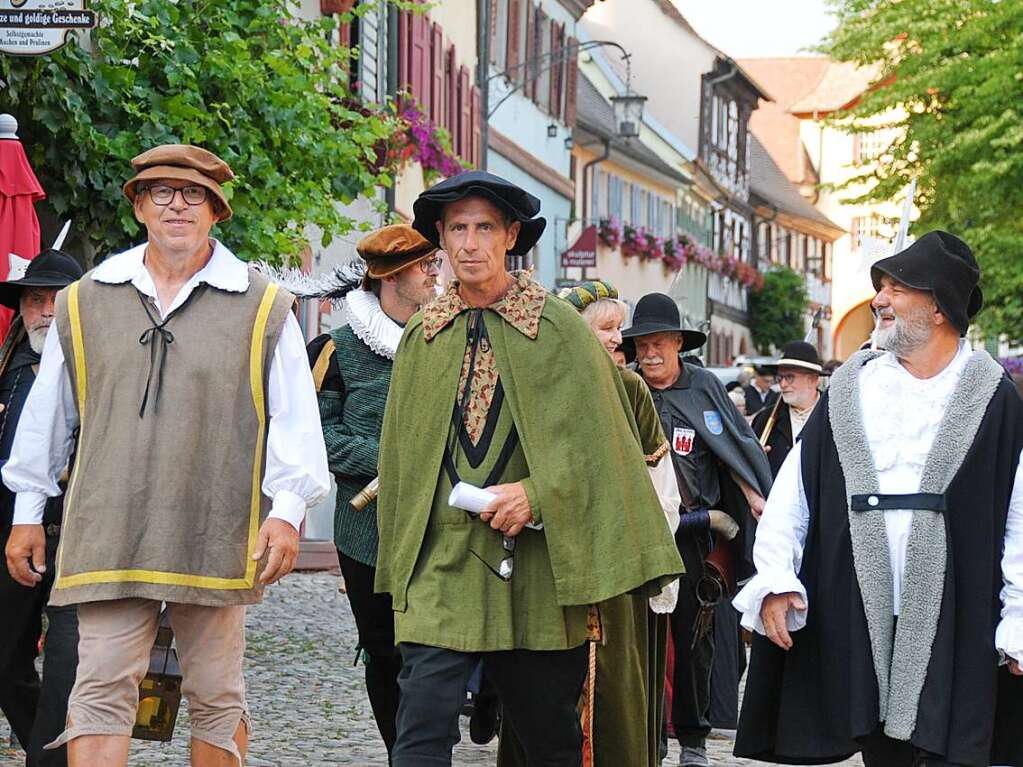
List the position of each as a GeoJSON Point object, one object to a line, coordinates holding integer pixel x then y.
{"type": "Point", "coordinates": [485, 720]}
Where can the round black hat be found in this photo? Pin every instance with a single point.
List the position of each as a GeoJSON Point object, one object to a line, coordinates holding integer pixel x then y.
{"type": "Point", "coordinates": [516, 202]}
{"type": "Point", "coordinates": [800, 354]}
{"type": "Point", "coordinates": [50, 269]}
{"type": "Point", "coordinates": [658, 313]}
{"type": "Point", "coordinates": [943, 264]}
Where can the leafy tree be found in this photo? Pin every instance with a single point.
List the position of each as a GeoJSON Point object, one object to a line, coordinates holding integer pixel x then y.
{"type": "Point", "coordinates": [951, 73]}
{"type": "Point", "coordinates": [778, 310]}
{"type": "Point", "coordinates": [246, 79]}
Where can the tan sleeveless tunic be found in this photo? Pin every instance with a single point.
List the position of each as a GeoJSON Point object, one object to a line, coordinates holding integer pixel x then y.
{"type": "Point", "coordinates": [168, 505]}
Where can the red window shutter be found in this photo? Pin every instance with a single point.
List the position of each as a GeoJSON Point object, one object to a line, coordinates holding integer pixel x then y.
{"type": "Point", "coordinates": [420, 60]}
{"type": "Point", "coordinates": [529, 59]}
{"type": "Point", "coordinates": [571, 81]}
{"type": "Point", "coordinates": [405, 51]}
{"type": "Point", "coordinates": [492, 32]}
{"type": "Point", "coordinates": [336, 6]}
{"type": "Point", "coordinates": [539, 63]}
{"type": "Point", "coordinates": [476, 156]}
{"type": "Point", "coordinates": [557, 70]}
{"type": "Point", "coordinates": [514, 40]}
{"type": "Point", "coordinates": [437, 75]}
{"type": "Point", "coordinates": [451, 119]}
{"type": "Point", "coordinates": [464, 114]}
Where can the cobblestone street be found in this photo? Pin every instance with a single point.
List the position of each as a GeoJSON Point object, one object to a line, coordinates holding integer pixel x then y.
{"type": "Point", "coordinates": [307, 700]}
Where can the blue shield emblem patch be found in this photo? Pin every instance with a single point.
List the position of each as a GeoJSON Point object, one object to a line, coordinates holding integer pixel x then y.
{"type": "Point", "coordinates": [712, 418]}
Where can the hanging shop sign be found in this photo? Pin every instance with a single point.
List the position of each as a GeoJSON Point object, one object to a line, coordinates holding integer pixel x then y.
{"type": "Point", "coordinates": [584, 252]}
{"type": "Point", "coordinates": [38, 27]}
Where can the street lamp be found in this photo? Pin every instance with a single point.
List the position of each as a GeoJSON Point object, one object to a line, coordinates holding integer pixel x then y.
{"type": "Point", "coordinates": [628, 111]}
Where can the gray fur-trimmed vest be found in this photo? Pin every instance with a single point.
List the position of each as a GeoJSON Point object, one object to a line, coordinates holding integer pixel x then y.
{"type": "Point", "coordinates": [166, 504]}
{"type": "Point", "coordinates": [901, 654]}
{"type": "Point", "coordinates": [818, 701]}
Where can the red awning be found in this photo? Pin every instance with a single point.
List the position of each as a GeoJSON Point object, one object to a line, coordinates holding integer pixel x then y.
{"type": "Point", "coordinates": [19, 226]}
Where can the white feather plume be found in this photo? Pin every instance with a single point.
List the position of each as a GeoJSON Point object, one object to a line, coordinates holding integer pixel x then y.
{"type": "Point", "coordinates": [332, 286]}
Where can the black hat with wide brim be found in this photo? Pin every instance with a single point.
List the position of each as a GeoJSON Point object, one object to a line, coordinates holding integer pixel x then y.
{"type": "Point", "coordinates": [942, 264]}
{"type": "Point", "coordinates": [658, 313]}
{"type": "Point", "coordinates": [798, 354]}
{"type": "Point", "coordinates": [517, 203]}
{"type": "Point", "coordinates": [50, 269]}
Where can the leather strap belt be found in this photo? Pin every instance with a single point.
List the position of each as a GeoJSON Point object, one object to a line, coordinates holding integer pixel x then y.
{"type": "Point", "coordinates": [908, 502]}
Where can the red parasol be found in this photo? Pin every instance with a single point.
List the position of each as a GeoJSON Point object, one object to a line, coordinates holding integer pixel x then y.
{"type": "Point", "coordinates": [19, 192]}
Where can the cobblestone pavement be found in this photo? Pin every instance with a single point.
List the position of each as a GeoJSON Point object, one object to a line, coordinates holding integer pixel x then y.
{"type": "Point", "coordinates": [308, 702]}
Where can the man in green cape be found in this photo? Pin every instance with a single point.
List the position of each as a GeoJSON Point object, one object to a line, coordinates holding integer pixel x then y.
{"type": "Point", "coordinates": [497, 387]}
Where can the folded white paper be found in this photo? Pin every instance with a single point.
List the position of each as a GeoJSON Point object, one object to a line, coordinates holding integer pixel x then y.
{"type": "Point", "coordinates": [470, 498]}
{"type": "Point", "coordinates": [475, 499]}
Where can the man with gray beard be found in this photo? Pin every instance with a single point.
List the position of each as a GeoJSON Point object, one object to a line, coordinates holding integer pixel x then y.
{"type": "Point", "coordinates": [888, 600]}
{"type": "Point", "coordinates": [35, 712]}
{"type": "Point", "coordinates": [798, 374]}
{"type": "Point", "coordinates": [718, 465]}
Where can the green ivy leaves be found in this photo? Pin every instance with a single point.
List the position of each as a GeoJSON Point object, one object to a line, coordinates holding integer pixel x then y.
{"type": "Point", "coordinates": [246, 79]}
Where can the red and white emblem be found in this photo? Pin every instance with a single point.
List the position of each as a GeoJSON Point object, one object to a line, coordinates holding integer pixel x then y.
{"type": "Point", "coordinates": [682, 441]}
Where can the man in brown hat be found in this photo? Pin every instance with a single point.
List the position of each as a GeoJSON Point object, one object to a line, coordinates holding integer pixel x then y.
{"type": "Point", "coordinates": [199, 449]}
{"type": "Point", "coordinates": [352, 366]}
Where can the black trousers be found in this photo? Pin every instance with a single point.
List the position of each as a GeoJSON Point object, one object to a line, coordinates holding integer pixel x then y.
{"type": "Point", "coordinates": [36, 711]}
{"type": "Point", "coordinates": [374, 620]}
{"type": "Point", "coordinates": [538, 689]}
{"type": "Point", "coordinates": [882, 751]}
{"type": "Point", "coordinates": [729, 666]}
{"type": "Point", "coordinates": [690, 705]}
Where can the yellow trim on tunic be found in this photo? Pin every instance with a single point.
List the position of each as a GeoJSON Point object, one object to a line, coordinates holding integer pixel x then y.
{"type": "Point", "coordinates": [258, 401]}
{"type": "Point", "coordinates": [322, 364]}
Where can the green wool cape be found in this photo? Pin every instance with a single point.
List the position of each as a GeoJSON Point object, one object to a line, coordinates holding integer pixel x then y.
{"type": "Point", "coordinates": [603, 523]}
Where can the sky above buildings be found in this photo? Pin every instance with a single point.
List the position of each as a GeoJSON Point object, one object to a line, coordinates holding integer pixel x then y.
{"type": "Point", "coordinates": [753, 28]}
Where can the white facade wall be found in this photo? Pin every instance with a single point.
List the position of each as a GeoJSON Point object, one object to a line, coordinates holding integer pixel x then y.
{"type": "Point", "coordinates": [832, 152]}
{"type": "Point", "coordinates": [525, 123]}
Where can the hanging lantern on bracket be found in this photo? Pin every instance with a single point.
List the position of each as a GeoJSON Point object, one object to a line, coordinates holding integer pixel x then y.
{"type": "Point", "coordinates": [160, 689]}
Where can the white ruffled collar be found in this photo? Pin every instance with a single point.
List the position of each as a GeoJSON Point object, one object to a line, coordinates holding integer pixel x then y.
{"type": "Point", "coordinates": [371, 325]}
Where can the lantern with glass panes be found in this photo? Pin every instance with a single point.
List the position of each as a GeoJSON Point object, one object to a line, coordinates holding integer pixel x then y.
{"type": "Point", "coordinates": [628, 110]}
{"type": "Point", "coordinates": [160, 689]}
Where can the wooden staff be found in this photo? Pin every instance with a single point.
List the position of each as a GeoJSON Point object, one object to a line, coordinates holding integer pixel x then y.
{"type": "Point", "coordinates": [769, 426]}
{"type": "Point", "coordinates": [365, 496]}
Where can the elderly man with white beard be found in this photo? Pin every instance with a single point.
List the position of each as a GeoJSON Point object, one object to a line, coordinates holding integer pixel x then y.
{"type": "Point", "coordinates": [798, 373]}
{"type": "Point", "coordinates": [35, 712]}
{"type": "Point", "coordinates": [719, 465]}
{"type": "Point", "coordinates": [888, 600]}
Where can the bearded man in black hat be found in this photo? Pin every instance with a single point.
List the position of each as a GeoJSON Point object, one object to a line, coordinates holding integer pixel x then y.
{"type": "Point", "coordinates": [497, 386]}
{"type": "Point", "coordinates": [888, 601]}
{"type": "Point", "coordinates": [717, 463]}
{"type": "Point", "coordinates": [798, 373]}
{"type": "Point", "coordinates": [35, 713]}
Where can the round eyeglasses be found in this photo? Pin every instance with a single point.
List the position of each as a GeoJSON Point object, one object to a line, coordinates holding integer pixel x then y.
{"type": "Point", "coordinates": [161, 194]}
{"type": "Point", "coordinates": [431, 264]}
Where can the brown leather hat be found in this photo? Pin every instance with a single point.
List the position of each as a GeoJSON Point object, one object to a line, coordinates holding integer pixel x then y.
{"type": "Point", "coordinates": [182, 162]}
{"type": "Point", "coordinates": [390, 249]}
